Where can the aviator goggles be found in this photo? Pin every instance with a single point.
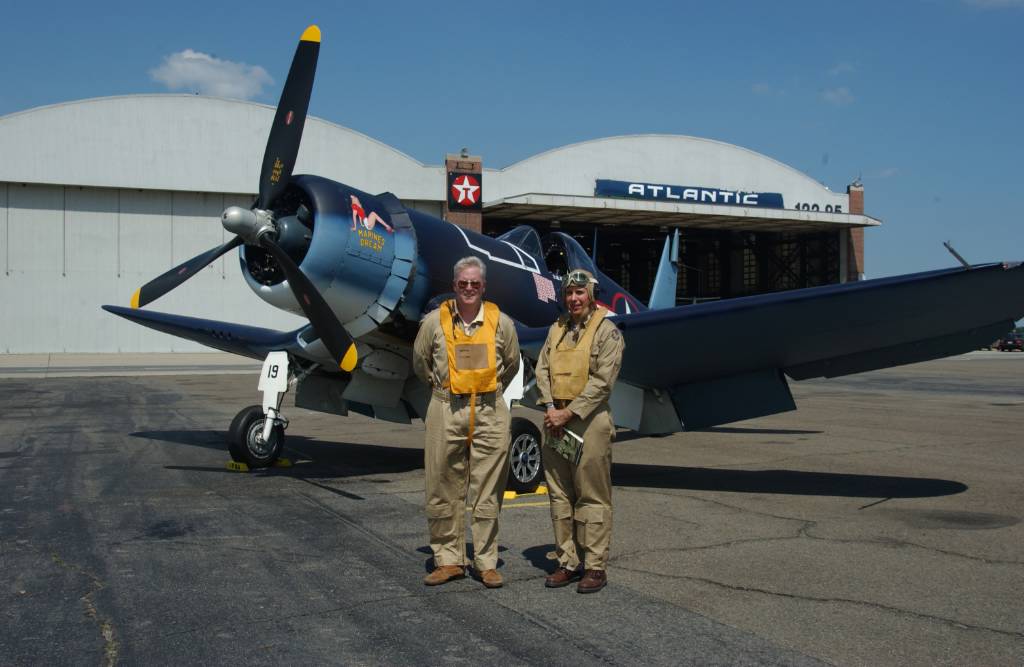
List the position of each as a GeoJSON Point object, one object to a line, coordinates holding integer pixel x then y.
{"type": "Point", "coordinates": [578, 279]}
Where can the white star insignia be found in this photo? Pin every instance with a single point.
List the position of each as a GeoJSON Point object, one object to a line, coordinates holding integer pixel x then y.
{"type": "Point", "coordinates": [466, 190]}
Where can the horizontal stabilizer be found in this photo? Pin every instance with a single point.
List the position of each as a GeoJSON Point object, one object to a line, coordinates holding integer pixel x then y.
{"type": "Point", "coordinates": [239, 339]}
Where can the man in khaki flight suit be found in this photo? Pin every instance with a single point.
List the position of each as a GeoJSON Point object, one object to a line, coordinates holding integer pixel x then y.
{"type": "Point", "coordinates": [577, 368]}
{"type": "Point", "coordinates": [467, 351]}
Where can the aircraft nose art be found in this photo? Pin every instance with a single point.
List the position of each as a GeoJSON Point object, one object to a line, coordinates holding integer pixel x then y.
{"type": "Point", "coordinates": [366, 245]}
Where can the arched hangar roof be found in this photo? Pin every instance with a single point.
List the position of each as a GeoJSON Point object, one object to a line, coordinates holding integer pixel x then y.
{"type": "Point", "coordinates": [190, 143]}
{"type": "Point", "coordinates": [655, 158]}
{"type": "Point", "coordinates": [561, 184]}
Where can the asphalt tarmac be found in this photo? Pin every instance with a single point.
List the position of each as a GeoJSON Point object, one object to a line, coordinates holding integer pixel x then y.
{"type": "Point", "coordinates": [878, 524]}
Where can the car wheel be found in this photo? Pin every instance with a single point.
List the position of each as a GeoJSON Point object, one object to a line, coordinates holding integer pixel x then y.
{"type": "Point", "coordinates": [524, 462]}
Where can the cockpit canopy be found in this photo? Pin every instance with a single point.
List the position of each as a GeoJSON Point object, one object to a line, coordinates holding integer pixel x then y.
{"type": "Point", "coordinates": [557, 252]}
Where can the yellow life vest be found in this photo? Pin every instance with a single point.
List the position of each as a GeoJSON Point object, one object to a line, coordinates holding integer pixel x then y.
{"type": "Point", "coordinates": [569, 362]}
{"type": "Point", "coordinates": [472, 360]}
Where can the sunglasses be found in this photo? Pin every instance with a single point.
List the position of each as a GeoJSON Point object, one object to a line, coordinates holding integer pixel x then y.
{"type": "Point", "coordinates": [463, 284]}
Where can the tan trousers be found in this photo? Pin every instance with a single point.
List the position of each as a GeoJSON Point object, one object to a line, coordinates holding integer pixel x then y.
{"type": "Point", "coordinates": [455, 473]}
{"type": "Point", "coordinates": [581, 495]}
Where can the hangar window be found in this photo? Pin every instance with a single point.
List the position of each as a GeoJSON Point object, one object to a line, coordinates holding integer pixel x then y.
{"type": "Point", "coordinates": [749, 270]}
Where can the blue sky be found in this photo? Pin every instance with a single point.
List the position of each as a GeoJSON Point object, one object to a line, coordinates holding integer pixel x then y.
{"type": "Point", "coordinates": [922, 99]}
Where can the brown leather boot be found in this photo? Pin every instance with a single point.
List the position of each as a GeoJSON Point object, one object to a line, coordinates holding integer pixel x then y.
{"type": "Point", "coordinates": [444, 574]}
{"type": "Point", "coordinates": [491, 578]}
{"type": "Point", "coordinates": [592, 581]}
{"type": "Point", "coordinates": [563, 576]}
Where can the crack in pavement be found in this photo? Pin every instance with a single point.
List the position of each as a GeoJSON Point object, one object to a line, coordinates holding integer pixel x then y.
{"type": "Point", "coordinates": [713, 501]}
{"type": "Point", "coordinates": [811, 598]}
{"type": "Point", "coordinates": [902, 543]}
{"type": "Point", "coordinates": [808, 525]}
{"type": "Point", "coordinates": [106, 627]}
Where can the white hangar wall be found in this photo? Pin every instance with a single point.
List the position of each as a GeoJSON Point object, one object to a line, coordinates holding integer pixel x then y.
{"type": "Point", "coordinates": [66, 250]}
{"type": "Point", "coordinates": [100, 196]}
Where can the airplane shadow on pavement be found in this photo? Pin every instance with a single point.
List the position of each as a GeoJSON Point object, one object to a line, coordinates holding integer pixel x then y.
{"type": "Point", "coordinates": [325, 459]}
{"type": "Point", "coordinates": [312, 458]}
{"type": "Point", "coordinates": [792, 482]}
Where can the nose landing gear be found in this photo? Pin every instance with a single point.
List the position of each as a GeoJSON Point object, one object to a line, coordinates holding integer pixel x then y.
{"type": "Point", "coordinates": [246, 442]}
{"type": "Point", "coordinates": [256, 434]}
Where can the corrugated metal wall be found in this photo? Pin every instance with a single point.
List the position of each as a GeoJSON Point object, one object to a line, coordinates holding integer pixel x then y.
{"type": "Point", "coordinates": [67, 250]}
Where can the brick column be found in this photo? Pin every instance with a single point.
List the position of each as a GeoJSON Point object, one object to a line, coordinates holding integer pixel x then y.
{"type": "Point", "coordinates": [467, 164]}
{"type": "Point", "coordinates": [855, 236]}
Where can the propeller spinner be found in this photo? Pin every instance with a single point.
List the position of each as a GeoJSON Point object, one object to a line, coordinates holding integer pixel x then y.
{"type": "Point", "coordinates": [257, 226]}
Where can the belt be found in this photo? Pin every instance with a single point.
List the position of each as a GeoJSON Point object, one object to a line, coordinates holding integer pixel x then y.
{"type": "Point", "coordinates": [472, 400]}
{"type": "Point", "coordinates": [481, 399]}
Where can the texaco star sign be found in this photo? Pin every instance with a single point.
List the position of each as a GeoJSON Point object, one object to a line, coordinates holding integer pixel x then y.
{"type": "Point", "coordinates": [465, 190]}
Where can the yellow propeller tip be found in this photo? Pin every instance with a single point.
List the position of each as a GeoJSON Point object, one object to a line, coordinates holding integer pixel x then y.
{"type": "Point", "coordinates": [311, 34]}
{"type": "Point", "coordinates": [348, 362]}
{"type": "Point", "coordinates": [135, 298]}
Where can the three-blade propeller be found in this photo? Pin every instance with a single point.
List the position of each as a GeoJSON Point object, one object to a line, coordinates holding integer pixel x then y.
{"type": "Point", "coordinates": [278, 163]}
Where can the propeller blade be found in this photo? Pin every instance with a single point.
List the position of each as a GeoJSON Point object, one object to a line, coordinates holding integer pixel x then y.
{"type": "Point", "coordinates": [320, 315]}
{"type": "Point", "coordinates": [286, 132]}
{"type": "Point", "coordinates": [164, 283]}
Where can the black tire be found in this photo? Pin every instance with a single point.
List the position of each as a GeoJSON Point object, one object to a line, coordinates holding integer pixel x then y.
{"type": "Point", "coordinates": [525, 468]}
{"type": "Point", "coordinates": [243, 443]}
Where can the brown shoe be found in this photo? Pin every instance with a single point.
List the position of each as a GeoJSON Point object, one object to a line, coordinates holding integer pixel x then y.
{"type": "Point", "coordinates": [491, 578]}
{"type": "Point", "coordinates": [592, 581]}
{"type": "Point", "coordinates": [563, 576]}
{"type": "Point", "coordinates": [444, 574]}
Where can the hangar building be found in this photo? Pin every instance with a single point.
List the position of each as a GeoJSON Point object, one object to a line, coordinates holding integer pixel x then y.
{"type": "Point", "coordinates": [99, 196]}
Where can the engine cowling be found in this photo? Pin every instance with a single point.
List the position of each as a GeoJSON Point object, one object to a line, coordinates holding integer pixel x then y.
{"type": "Point", "coordinates": [358, 249]}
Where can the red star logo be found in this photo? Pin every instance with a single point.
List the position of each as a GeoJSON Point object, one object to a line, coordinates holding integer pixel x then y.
{"type": "Point", "coordinates": [466, 190]}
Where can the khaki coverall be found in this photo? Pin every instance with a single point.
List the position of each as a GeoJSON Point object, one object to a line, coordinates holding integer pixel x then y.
{"type": "Point", "coordinates": [454, 471]}
{"type": "Point", "coordinates": [581, 494]}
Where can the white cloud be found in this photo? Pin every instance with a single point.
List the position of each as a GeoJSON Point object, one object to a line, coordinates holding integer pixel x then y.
{"type": "Point", "coordinates": [200, 72]}
{"type": "Point", "coordinates": [994, 4]}
{"type": "Point", "coordinates": [841, 68]}
{"type": "Point", "coordinates": [839, 97]}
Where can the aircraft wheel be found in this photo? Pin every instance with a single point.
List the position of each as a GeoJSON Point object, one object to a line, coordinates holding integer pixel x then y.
{"type": "Point", "coordinates": [525, 467]}
{"type": "Point", "coordinates": [244, 442]}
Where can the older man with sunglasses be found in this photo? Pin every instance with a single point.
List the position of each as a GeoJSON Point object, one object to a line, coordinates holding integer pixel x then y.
{"type": "Point", "coordinates": [467, 351]}
{"type": "Point", "coordinates": [576, 371]}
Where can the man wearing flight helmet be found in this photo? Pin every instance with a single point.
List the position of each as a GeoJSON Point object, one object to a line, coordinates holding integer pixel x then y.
{"type": "Point", "coordinates": [575, 373]}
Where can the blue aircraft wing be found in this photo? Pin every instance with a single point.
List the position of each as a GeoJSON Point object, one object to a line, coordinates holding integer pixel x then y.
{"type": "Point", "coordinates": [240, 339]}
{"type": "Point", "coordinates": [725, 361]}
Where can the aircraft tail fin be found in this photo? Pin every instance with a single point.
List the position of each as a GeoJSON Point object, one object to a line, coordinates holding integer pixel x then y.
{"type": "Point", "coordinates": [663, 293]}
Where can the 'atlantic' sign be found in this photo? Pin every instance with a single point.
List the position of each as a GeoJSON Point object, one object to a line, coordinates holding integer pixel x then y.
{"type": "Point", "coordinates": [686, 193]}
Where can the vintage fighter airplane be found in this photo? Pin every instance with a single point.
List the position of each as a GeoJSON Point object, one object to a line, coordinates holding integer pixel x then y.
{"type": "Point", "coordinates": [364, 269]}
